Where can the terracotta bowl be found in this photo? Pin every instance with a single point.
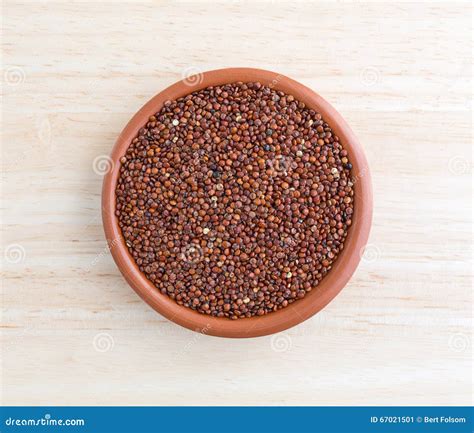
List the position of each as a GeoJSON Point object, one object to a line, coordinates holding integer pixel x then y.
{"type": "Point", "coordinates": [332, 283]}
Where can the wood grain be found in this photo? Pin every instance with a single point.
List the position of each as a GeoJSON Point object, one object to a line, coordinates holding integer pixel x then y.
{"type": "Point", "coordinates": [73, 332]}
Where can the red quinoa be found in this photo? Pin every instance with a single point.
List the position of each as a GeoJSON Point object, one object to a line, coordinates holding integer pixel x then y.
{"type": "Point", "coordinates": [235, 200]}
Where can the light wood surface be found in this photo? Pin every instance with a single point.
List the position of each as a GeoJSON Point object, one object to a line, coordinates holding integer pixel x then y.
{"type": "Point", "coordinates": [73, 332]}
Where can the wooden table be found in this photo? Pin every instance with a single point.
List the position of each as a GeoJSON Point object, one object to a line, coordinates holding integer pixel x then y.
{"type": "Point", "coordinates": [73, 332]}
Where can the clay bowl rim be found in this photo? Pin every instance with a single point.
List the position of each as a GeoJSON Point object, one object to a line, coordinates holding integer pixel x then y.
{"type": "Point", "coordinates": [314, 301]}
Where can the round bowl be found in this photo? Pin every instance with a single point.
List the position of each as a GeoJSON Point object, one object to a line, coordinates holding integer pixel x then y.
{"type": "Point", "coordinates": [300, 310]}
